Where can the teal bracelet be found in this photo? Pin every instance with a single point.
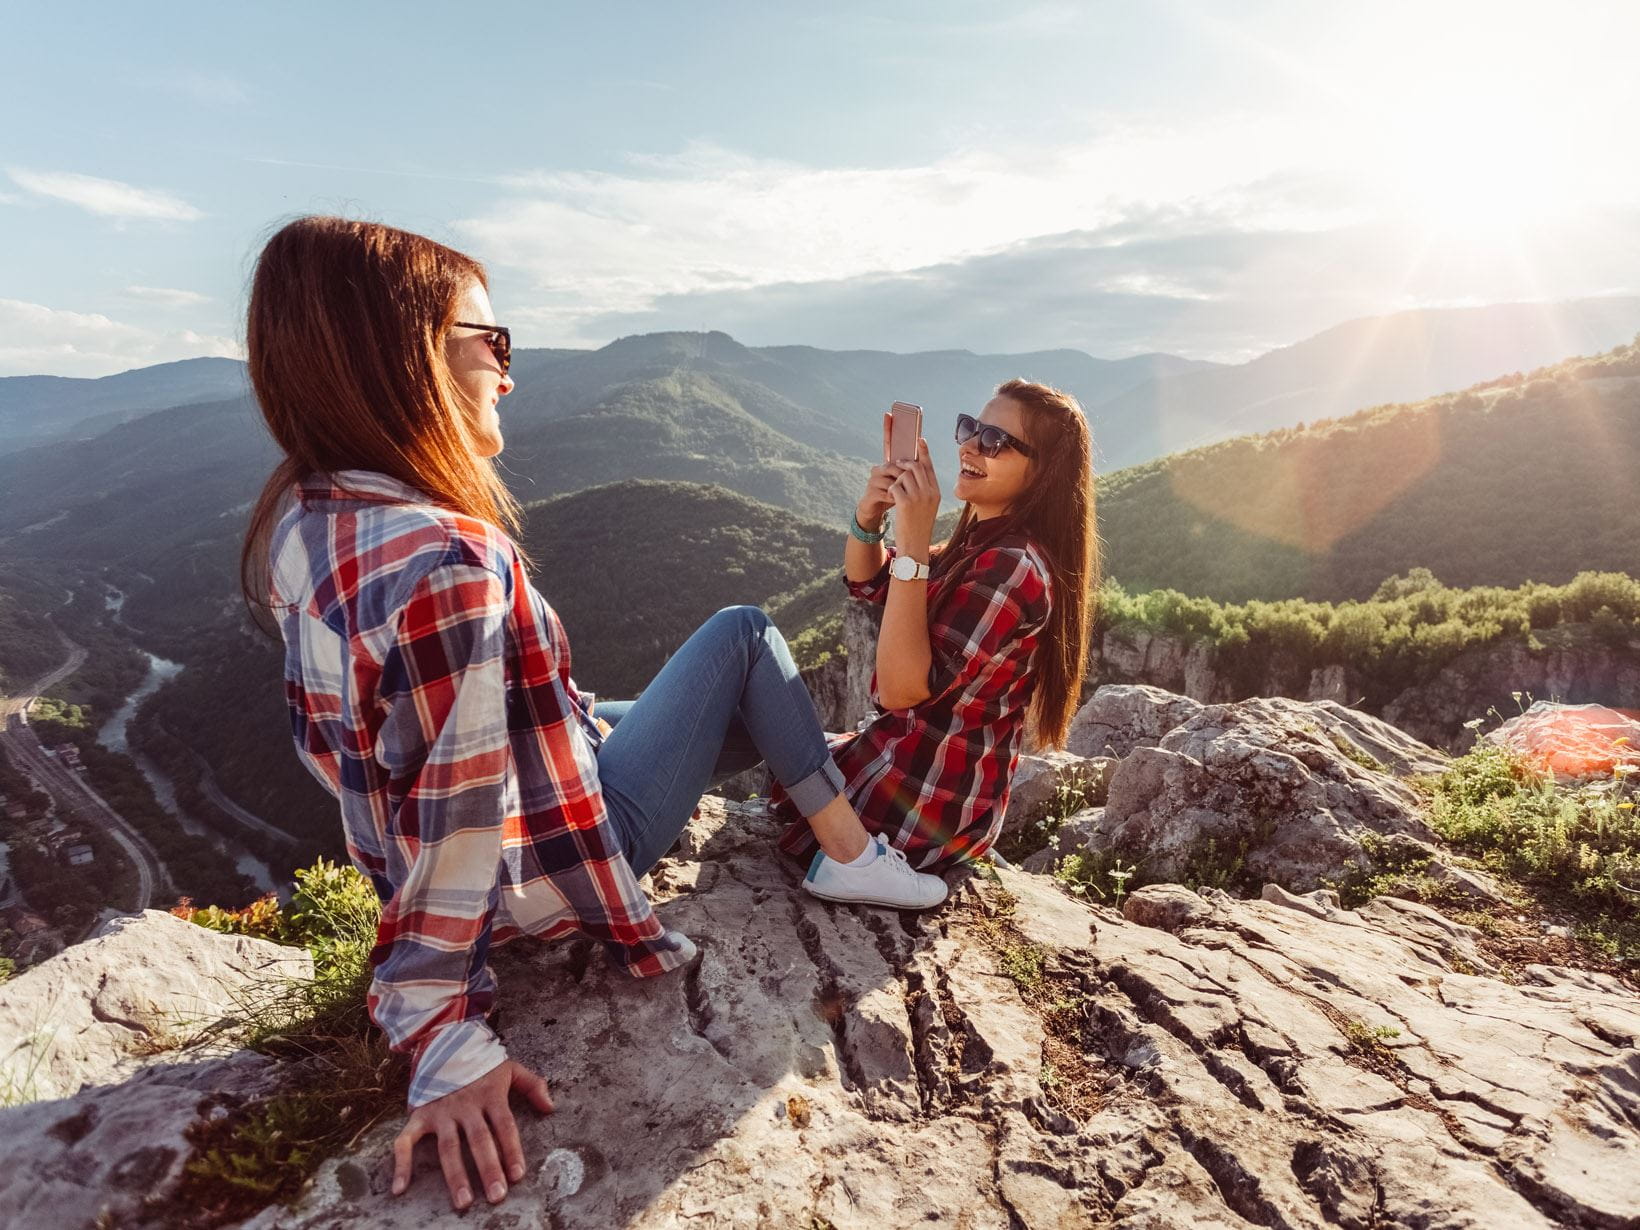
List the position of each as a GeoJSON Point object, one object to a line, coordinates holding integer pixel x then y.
{"type": "Point", "coordinates": [864, 535]}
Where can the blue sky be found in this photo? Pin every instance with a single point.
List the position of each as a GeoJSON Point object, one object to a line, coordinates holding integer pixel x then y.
{"type": "Point", "coordinates": [1208, 179]}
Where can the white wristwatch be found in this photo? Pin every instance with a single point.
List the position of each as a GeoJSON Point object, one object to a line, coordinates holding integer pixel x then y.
{"type": "Point", "coordinates": [904, 568]}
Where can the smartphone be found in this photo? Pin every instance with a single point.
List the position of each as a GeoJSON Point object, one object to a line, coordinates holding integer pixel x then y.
{"type": "Point", "coordinates": [904, 431]}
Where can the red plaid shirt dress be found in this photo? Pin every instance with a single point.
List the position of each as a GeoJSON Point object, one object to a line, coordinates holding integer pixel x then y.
{"type": "Point", "coordinates": [933, 779]}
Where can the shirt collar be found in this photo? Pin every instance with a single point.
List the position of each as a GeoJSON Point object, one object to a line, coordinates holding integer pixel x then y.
{"type": "Point", "coordinates": [355, 486]}
{"type": "Point", "coordinates": [983, 533]}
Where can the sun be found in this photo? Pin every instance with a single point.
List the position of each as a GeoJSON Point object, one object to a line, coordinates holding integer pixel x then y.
{"type": "Point", "coordinates": [1472, 125]}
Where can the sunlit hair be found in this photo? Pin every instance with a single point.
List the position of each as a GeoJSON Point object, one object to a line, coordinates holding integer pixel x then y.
{"type": "Point", "coordinates": [1056, 511]}
{"type": "Point", "coordinates": [345, 336]}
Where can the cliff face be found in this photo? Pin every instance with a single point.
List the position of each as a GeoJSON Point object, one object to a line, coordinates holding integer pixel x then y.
{"type": "Point", "coordinates": [1568, 664]}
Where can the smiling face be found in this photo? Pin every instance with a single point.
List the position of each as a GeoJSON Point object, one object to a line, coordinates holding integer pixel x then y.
{"type": "Point", "coordinates": [477, 373]}
{"type": "Point", "coordinates": [992, 484]}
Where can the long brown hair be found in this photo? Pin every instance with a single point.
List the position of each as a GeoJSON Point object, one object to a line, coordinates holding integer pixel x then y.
{"type": "Point", "coordinates": [345, 336]}
{"type": "Point", "coordinates": [1056, 512]}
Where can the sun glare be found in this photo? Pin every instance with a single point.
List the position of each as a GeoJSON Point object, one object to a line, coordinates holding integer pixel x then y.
{"type": "Point", "coordinates": [1473, 129]}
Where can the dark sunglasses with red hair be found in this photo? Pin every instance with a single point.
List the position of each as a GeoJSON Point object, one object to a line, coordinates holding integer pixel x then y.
{"type": "Point", "coordinates": [499, 340]}
{"type": "Point", "coordinates": [992, 440]}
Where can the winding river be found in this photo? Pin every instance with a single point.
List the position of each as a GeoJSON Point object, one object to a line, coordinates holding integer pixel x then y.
{"type": "Point", "coordinates": [113, 736]}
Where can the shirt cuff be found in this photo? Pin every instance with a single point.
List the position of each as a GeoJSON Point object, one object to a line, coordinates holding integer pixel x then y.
{"type": "Point", "coordinates": [453, 1058]}
{"type": "Point", "coordinates": [647, 958]}
{"type": "Point", "coordinates": [876, 588]}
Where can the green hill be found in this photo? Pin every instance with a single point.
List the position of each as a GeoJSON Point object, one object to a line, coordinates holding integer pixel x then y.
{"type": "Point", "coordinates": [684, 426]}
{"type": "Point", "coordinates": [1525, 478]}
{"type": "Point", "coordinates": [633, 568]}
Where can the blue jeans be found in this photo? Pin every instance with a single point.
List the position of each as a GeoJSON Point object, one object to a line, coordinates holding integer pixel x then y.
{"type": "Point", "coordinates": [729, 698]}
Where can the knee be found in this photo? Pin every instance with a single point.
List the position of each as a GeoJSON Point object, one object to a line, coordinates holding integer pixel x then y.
{"type": "Point", "coordinates": [749, 621]}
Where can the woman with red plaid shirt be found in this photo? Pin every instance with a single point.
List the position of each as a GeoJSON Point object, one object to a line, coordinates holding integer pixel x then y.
{"type": "Point", "coordinates": [983, 638]}
{"type": "Point", "coordinates": [429, 682]}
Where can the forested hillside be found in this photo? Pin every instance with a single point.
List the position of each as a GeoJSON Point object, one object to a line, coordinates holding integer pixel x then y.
{"type": "Point", "coordinates": [633, 568]}
{"type": "Point", "coordinates": [1525, 478]}
{"type": "Point", "coordinates": [1376, 359]}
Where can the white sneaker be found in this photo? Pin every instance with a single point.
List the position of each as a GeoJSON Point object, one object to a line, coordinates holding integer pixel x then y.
{"type": "Point", "coordinates": [887, 880]}
{"type": "Point", "coordinates": [683, 944]}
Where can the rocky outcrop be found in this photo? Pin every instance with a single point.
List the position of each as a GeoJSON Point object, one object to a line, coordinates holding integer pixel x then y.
{"type": "Point", "coordinates": [1567, 665]}
{"type": "Point", "coordinates": [1287, 791]}
{"type": "Point", "coordinates": [1046, 786]}
{"type": "Point", "coordinates": [1015, 1058]}
{"type": "Point", "coordinates": [1120, 717]}
{"type": "Point", "coordinates": [140, 987]}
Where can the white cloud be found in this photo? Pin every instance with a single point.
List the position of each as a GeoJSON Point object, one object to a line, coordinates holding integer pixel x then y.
{"type": "Point", "coordinates": [165, 296]}
{"type": "Point", "coordinates": [711, 220]}
{"type": "Point", "coordinates": [107, 197]}
{"type": "Point", "coordinates": [35, 338]}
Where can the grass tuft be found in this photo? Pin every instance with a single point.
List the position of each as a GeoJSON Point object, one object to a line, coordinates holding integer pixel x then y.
{"type": "Point", "coordinates": [1574, 848]}
{"type": "Point", "coordinates": [249, 1156]}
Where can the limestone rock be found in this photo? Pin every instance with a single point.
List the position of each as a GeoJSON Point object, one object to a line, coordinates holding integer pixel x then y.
{"type": "Point", "coordinates": [1013, 1059]}
{"type": "Point", "coordinates": [1293, 792]}
{"type": "Point", "coordinates": [144, 983]}
{"type": "Point", "coordinates": [1228, 1071]}
{"type": "Point", "coordinates": [112, 1155]}
{"type": "Point", "coordinates": [1045, 782]}
{"type": "Point", "coordinates": [1168, 907]}
{"type": "Point", "coordinates": [1120, 717]}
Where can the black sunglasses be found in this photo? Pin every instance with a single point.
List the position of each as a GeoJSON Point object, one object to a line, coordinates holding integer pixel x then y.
{"type": "Point", "coordinates": [499, 341]}
{"type": "Point", "coordinates": [992, 440]}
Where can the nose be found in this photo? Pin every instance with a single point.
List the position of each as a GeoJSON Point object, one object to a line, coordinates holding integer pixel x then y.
{"type": "Point", "coordinates": [507, 385]}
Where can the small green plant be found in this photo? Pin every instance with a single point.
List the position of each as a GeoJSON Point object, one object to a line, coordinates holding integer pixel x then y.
{"type": "Point", "coordinates": [1575, 848]}
{"type": "Point", "coordinates": [1355, 754]}
{"type": "Point", "coordinates": [265, 1151]}
{"type": "Point", "coordinates": [20, 1074]}
{"type": "Point", "coordinates": [1369, 1040]}
{"type": "Point", "coordinates": [1387, 870]}
{"type": "Point", "coordinates": [1023, 962]}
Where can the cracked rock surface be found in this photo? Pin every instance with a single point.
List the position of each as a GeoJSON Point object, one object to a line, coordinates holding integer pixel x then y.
{"type": "Point", "coordinates": [1215, 1063]}
{"type": "Point", "coordinates": [98, 1010]}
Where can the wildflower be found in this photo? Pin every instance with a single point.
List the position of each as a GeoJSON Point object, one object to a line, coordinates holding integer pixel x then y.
{"type": "Point", "coordinates": [1625, 807]}
{"type": "Point", "coordinates": [1473, 723]}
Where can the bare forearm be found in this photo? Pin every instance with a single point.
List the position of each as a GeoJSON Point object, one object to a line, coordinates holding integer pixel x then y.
{"type": "Point", "coordinates": [862, 560]}
{"type": "Point", "coordinates": [904, 653]}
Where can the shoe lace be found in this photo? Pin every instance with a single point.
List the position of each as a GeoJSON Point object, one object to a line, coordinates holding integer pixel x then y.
{"type": "Point", "coordinates": [898, 863]}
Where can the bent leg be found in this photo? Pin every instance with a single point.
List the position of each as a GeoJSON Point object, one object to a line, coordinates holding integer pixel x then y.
{"type": "Point", "coordinates": [738, 754]}
{"type": "Point", "coordinates": [657, 762]}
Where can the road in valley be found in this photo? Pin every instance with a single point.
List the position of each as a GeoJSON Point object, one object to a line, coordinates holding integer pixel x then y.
{"type": "Point", "coordinates": [75, 799]}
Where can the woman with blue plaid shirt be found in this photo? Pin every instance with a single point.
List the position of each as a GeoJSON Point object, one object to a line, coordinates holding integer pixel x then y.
{"type": "Point", "coordinates": [429, 682]}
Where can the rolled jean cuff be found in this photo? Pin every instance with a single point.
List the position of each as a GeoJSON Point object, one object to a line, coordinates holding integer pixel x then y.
{"type": "Point", "coordinates": [818, 789]}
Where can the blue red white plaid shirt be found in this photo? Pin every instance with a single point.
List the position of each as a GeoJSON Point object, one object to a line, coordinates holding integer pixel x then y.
{"type": "Point", "coordinates": [429, 689]}
{"type": "Point", "coordinates": [933, 779]}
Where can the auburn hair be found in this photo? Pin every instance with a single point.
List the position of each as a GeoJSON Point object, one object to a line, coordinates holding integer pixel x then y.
{"type": "Point", "coordinates": [345, 337]}
{"type": "Point", "coordinates": [1056, 511]}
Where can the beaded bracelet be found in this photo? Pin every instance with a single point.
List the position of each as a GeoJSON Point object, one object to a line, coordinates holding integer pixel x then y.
{"type": "Point", "coordinates": [863, 534]}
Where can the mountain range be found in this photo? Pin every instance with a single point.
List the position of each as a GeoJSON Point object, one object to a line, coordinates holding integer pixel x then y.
{"type": "Point", "coordinates": [670, 474]}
